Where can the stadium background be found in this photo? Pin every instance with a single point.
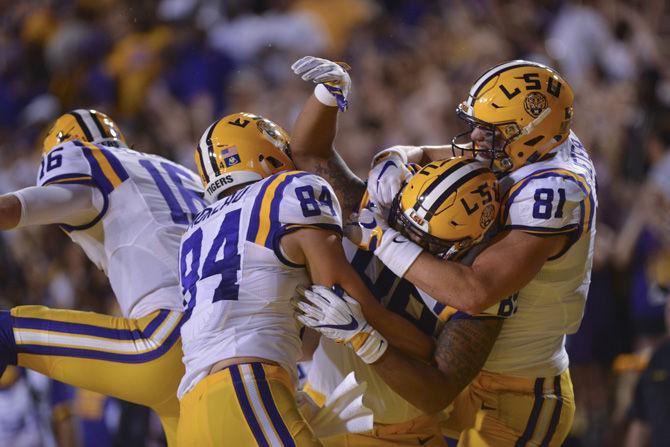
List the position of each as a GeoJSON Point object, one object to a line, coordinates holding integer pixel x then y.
{"type": "Point", "coordinates": [165, 69]}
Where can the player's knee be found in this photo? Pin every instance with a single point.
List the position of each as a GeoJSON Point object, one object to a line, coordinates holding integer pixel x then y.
{"type": "Point", "coordinates": [7, 341]}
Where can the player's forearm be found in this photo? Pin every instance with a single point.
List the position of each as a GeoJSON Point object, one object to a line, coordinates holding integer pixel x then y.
{"type": "Point", "coordinates": [70, 204]}
{"type": "Point", "coordinates": [506, 266]}
{"type": "Point", "coordinates": [310, 340]}
{"type": "Point", "coordinates": [452, 284]}
{"type": "Point", "coordinates": [314, 132]}
{"type": "Point", "coordinates": [462, 350]}
{"type": "Point", "coordinates": [313, 151]}
{"type": "Point", "coordinates": [328, 265]}
{"type": "Point", "coordinates": [399, 332]}
{"type": "Point", "coordinates": [433, 153]}
{"type": "Point", "coordinates": [419, 383]}
{"type": "Point", "coordinates": [10, 211]}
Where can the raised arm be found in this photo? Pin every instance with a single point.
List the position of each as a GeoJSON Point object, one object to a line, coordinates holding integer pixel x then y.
{"type": "Point", "coordinates": [315, 130]}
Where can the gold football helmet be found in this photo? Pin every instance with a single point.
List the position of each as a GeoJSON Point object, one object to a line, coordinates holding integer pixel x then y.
{"type": "Point", "coordinates": [241, 148]}
{"type": "Point", "coordinates": [524, 107]}
{"type": "Point", "coordinates": [85, 125]}
{"type": "Point", "coordinates": [447, 206]}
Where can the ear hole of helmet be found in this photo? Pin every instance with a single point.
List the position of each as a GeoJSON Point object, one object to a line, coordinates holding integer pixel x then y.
{"type": "Point", "coordinates": [274, 162]}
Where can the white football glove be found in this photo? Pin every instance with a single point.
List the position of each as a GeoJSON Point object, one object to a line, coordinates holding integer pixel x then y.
{"type": "Point", "coordinates": [340, 318]}
{"type": "Point", "coordinates": [333, 81]}
{"type": "Point", "coordinates": [386, 178]}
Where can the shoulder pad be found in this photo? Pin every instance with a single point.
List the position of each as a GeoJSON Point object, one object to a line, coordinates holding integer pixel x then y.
{"type": "Point", "coordinates": [550, 202]}
{"type": "Point", "coordinates": [292, 200]}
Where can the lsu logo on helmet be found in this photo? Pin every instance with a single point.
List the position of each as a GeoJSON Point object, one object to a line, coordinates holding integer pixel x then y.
{"type": "Point", "coordinates": [84, 125]}
{"type": "Point", "coordinates": [535, 103]}
{"type": "Point", "coordinates": [525, 106]}
{"type": "Point", "coordinates": [447, 206]}
{"type": "Point", "coordinates": [241, 148]}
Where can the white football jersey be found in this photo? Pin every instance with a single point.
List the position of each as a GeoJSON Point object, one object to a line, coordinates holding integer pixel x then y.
{"type": "Point", "coordinates": [237, 283]}
{"type": "Point", "coordinates": [145, 203]}
{"type": "Point", "coordinates": [554, 196]}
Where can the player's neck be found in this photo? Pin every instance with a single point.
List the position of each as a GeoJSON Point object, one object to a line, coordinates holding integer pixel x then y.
{"type": "Point", "coordinates": [232, 190]}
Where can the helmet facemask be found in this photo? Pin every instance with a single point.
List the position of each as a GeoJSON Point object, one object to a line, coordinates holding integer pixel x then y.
{"type": "Point", "coordinates": [499, 137]}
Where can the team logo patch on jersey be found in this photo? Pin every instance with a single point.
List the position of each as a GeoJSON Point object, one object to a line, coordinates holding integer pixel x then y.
{"type": "Point", "coordinates": [535, 103]}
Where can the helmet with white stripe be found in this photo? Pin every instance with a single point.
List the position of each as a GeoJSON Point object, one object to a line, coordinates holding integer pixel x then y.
{"type": "Point", "coordinates": [241, 148]}
{"type": "Point", "coordinates": [84, 125]}
{"type": "Point", "coordinates": [524, 108]}
{"type": "Point", "coordinates": [447, 206]}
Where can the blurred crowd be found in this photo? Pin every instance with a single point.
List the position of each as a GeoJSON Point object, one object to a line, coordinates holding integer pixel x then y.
{"type": "Point", "coordinates": [164, 70]}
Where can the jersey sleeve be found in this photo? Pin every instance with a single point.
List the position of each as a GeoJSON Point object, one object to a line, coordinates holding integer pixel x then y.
{"type": "Point", "coordinates": [86, 164]}
{"type": "Point", "coordinates": [550, 202]}
{"type": "Point", "coordinates": [64, 164]}
{"type": "Point", "coordinates": [291, 201]}
{"type": "Point", "coordinates": [309, 201]}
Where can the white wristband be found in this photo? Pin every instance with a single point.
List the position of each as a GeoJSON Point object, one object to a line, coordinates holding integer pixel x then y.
{"type": "Point", "coordinates": [397, 252]}
{"type": "Point", "coordinates": [324, 96]}
{"type": "Point", "coordinates": [373, 348]}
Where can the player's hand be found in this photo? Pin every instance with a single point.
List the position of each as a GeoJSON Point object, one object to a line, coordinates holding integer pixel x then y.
{"type": "Point", "coordinates": [333, 81]}
{"type": "Point", "coordinates": [386, 178]}
{"type": "Point", "coordinates": [339, 317]}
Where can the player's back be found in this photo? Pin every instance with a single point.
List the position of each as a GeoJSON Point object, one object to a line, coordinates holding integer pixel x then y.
{"type": "Point", "coordinates": [237, 282]}
{"type": "Point", "coordinates": [551, 197]}
{"type": "Point", "coordinates": [144, 204]}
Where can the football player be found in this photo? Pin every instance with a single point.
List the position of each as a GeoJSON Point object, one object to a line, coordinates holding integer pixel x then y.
{"type": "Point", "coordinates": [465, 194]}
{"type": "Point", "coordinates": [127, 210]}
{"type": "Point", "coordinates": [269, 228]}
{"type": "Point", "coordinates": [520, 114]}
